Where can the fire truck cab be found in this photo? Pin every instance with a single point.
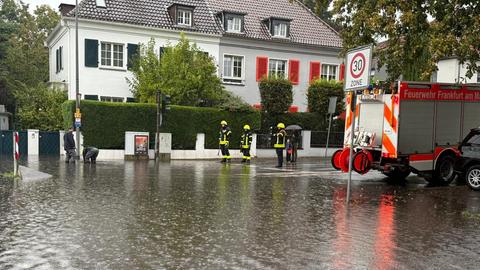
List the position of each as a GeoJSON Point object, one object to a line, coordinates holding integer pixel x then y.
{"type": "Point", "coordinates": [415, 129]}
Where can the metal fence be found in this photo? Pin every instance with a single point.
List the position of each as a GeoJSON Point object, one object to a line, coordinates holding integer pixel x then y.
{"type": "Point", "coordinates": [319, 139]}
{"type": "Point", "coordinates": [266, 141]}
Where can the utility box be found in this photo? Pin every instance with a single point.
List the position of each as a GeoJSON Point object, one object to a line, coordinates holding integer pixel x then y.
{"type": "Point", "coordinates": [4, 116]}
{"type": "Point", "coordinates": [165, 147]}
{"type": "Point", "coordinates": [137, 145]}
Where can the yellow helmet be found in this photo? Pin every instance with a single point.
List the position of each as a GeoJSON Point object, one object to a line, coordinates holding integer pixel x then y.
{"type": "Point", "coordinates": [223, 123]}
{"type": "Point", "coordinates": [281, 125]}
{"type": "Point", "coordinates": [246, 127]}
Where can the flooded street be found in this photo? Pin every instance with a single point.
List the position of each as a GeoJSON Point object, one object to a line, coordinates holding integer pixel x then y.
{"type": "Point", "coordinates": [206, 215]}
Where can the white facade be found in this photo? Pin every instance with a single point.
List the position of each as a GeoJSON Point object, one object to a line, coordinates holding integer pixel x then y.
{"type": "Point", "coordinates": [250, 50]}
{"type": "Point", "coordinates": [108, 81]}
{"type": "Point", "coordinates": [451, 71]}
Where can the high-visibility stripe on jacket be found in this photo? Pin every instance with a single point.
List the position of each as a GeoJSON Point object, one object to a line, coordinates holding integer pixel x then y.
{"type": "Point", "coordinates": [280, 142]}
{"type": "Point", "coordinates": [246, 140]}
{"type": "Point", "coordinates": [224, 135]}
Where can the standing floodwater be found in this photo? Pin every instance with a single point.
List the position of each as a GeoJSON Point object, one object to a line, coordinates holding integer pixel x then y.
{"type": "Point", "coordinates": [206, 215]}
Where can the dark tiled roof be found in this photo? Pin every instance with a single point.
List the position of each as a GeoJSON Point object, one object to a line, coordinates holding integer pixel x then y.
{"type": "Point", "coordinates": [152, 13]}
{"type": "Point", "coordinates": [305, 27]}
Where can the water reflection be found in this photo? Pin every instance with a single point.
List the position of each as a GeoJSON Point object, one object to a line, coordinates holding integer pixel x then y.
{"type": "Point", "coordinates": [205, 215]}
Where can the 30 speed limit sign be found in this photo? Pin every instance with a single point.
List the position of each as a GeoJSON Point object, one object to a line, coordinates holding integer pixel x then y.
{"type": "Point", "coordinates": [358, 63]}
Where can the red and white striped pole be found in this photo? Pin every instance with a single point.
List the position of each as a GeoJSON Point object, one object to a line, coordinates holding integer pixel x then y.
{"type": "Point", "coordinates": [16, 153]}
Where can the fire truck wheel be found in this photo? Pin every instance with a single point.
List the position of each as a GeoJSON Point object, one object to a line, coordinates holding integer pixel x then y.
{"type": "Point", "coordinates": [398, 174]}
{"type": "Point", "coordinates": [444, 171]}
{"type": "Point", "coordinates": [473, 177]}
{"type": "Point", "coordinates": [336, 160]}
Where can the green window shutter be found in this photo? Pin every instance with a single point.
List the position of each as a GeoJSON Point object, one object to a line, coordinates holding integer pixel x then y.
{"type": "Point", "coordinates": [162, 51]}
{"type": "Point", "coordinates": [91, 53]}
{"type": "Point", "coordinates": [56, 61]}
{"type": "Point", "coordinates": [132, 54]}
{"type": "Point", "coordinates": [60, 59]}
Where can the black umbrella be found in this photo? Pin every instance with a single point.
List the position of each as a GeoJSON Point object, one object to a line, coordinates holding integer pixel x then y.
{"type": "Point", "coordinates": [293, 127]}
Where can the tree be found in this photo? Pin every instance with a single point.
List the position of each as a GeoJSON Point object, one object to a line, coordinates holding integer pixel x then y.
{"type": "Point", "coordinates": [276, 94]}
{"type": "Point", "coordinates": [419, 33]}
{"type": "Point", "coordinates": [9, 22]}
{"type": "Point", "coordinates": [321, 9]}
{"type": "Point", "coordinates": [184, 72]}
{"type": "Point", "coordinates": [39, 107]}
{"type": "Point", "coordinates": [25, 70]}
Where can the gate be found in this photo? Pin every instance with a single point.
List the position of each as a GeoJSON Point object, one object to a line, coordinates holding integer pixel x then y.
{"type": "Point", "coordinates": [6, 143]}
{"type": "Point", "coordinates": [49, 143]}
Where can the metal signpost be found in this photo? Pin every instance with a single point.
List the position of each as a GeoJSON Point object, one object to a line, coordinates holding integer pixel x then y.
{"type": "Point", "coordinates": [77, 85]}
{"type": "Point", "coordinates": [332, 104]}
{"type": "Point", "coordinates": [357, 77]}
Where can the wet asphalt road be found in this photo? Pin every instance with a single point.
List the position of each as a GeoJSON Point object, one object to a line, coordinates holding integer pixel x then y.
{"type": "Point", "coordinates": [206, 215]}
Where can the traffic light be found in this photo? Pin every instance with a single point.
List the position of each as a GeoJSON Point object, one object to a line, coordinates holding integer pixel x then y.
{"type": "Point", "coordinates": [165, 103]}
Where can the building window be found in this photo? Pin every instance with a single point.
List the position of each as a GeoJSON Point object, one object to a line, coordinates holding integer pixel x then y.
{"type": "Point", "coordinates": [184, 17]}
{"type": "Point", "coordinates": [329, 72]}
{"type": "Point", "coordinates": [234, 24]}
{"type": "Point", "coordinates": [111, 99]}
{"type": "Point", "coordinates": [280, 29]}
{"type": "Point", "coordinates": [101, 3]}
{"type": "Point", "coordinates": [111, 55]}
{"type": "Point", "coordinates": [233, 68]}
{"type": "Point", "coordinates": [277, 68]}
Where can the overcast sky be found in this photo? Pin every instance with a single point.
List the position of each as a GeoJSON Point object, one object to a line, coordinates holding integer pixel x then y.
{"type": "Point", "coordinates": [53, 3]}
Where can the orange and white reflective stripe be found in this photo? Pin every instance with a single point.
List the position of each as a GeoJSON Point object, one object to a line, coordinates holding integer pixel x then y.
{"type": "Point", "coordinates": [390, 126]}
{"type": "Point", "coordinates": [348, 120]}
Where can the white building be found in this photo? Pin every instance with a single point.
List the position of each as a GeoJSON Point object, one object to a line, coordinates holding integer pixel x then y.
{"type": "Point", "coordinates": [247, 39]}
{"type": "Point", "coordinates": [451, 71]}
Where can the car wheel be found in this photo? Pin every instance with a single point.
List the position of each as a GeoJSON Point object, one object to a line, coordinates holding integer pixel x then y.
{"type": "Point", "coordinates": [444, 171]}
{"type": "Point", "coordinates": [473, 177]}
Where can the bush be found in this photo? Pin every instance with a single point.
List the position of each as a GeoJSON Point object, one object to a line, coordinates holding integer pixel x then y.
{"type": "Point", "coordinates": [318, 94]}
{"type": "Point", "coordinates": [104, 124]}
{"type": "Point", "coordinates": [276, 94]}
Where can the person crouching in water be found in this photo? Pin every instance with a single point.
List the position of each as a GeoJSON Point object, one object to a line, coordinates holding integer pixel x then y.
{"type": "Point", "coordinates": [280, 143]}
{"type": "Point", "coordinates": [90, 154]}
{"type": "Point", "coordinates": [245, 144]}
{"type": "Point", "coordinates": [224, 138]}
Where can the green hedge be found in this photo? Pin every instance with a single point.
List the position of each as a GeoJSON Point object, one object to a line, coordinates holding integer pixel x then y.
{"type": "Point", "coordinates": [276, 94]}
{"type": "Point", "coordinates": [319, 92]}
{"type": "Point", "coordinates": [104, 123]}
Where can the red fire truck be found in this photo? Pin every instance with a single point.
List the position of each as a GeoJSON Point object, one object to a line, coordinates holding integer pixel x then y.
{"type": "Point", "coordinates": [416, 129]}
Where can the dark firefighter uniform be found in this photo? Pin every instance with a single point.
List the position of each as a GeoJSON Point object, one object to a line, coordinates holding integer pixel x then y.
{"type": "Point", "coordinates": [279, 145]}
{"type": "Point", "coordinates": [246, 144]}
{"type": "Point", "coordinates": [224, 138]}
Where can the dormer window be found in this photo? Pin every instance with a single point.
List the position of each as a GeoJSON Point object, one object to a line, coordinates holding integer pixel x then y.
{"type": "Point", "coordinates": [184, 17]}
{"type": "Point", "coordinates": [279, 27]}
{"type": "Point", "coordinates": [181, 15]}
{"type": "Point", "coordinates": [101, 3]}
{"type": "Point", "coordinates": [233, 22]}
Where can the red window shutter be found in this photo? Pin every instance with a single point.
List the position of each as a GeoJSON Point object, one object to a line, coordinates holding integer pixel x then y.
{"type": "Point", "coordinates": [314, 71]}
{"type": "Point", "coordinates": [262, 67]}
{"type": "Point", "coordinates": [342, 72]}
{"type": "Point", "coordinates": [293, 71]}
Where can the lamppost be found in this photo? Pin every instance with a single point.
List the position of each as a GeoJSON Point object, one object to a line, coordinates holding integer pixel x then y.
{"type": "Point", "coordinates": [77, 81]}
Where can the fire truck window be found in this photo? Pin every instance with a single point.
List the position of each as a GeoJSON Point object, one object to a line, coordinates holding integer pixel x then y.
{"type": "Point", "coordinates": [475, 140]}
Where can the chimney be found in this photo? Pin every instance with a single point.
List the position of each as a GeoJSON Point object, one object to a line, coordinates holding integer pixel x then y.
{"type": "Point", "coordinates": [65, 8]}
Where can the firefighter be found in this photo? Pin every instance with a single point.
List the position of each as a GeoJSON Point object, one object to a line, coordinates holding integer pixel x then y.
{"type": "Point", "coordinates": [279, 145]}
{"type": "Point", "coordinates": [225, 133]}
{"type": "Point", "coordinates": [245, 144]}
